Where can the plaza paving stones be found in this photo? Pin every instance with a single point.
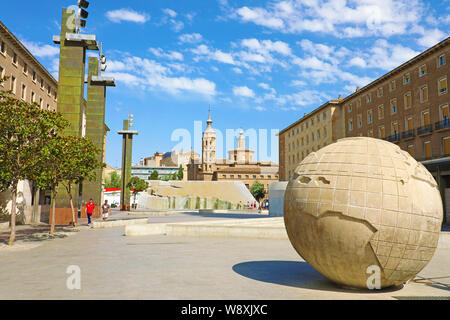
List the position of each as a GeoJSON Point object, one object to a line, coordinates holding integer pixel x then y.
{"type": "Point", "coordinates": [162, 267]}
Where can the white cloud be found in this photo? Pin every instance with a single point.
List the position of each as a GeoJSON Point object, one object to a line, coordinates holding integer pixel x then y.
{"type": "Point", "coordinates": [127, 15]}
{"type": "Point", "coordinates": [151, 75]}
{"type": "Point", "coordinates": [264, 85]}
{"type": "Point", "coordinates": [243, 92]}
{"type": "Point", "coordinates": [338, 17]}
{"type": "Point", "coordinates": [190, 38]}
{"type": "Point", "coordinates": [298, 83]}
{"type": "Point", "coordinates": [237, 70]}
{"type": "Point", "coordinates": [431, 37]}
{"type": "Point", "coordinates": [260, 109]}
{"type": "Point", "coordinates": [172, 55]}
{"type": "Point", "coordinates": [202, 51]}
{"type": "Point", "coordinates": [41, 50]}
{"type": "Point", "coordinates": [170, 12]}
{"type": "Point", "coordinates": [358, 62]}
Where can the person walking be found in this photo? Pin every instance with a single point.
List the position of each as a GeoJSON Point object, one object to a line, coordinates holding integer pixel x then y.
{"type": "Point", "coordinates": [90, 206]}
{"type": "Point", "coordinates": [106, 210]}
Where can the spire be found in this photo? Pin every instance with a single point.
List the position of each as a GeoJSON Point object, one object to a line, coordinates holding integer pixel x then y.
{"type": "Point", "coordinates": [209, 122]}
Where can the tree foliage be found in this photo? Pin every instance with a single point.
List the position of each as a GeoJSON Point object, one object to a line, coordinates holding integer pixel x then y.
{"type": "Point", "coordinates": [114, 181]}
{"type": "Point", "coordinates": [154, 175]}
{"type": "Point", "coordinates": [257, 190]}
{"type": "Point", "coordinates": [25, 130]}
{"type": "Point", "coordinates": [137, 185]}
{"type": "Point", "coordinates": [180, 173]}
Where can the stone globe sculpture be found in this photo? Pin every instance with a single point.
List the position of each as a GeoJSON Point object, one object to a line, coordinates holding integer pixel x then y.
{"type": "Point", "coordinates": [359, 203]}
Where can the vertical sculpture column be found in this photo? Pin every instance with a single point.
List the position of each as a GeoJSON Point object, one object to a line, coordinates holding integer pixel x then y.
{"type": "Point", "coordinates": [71, 102]}
{"type": "Point", "coordinates": [127, 153]}
{"type": "Point", "coordinates": [95, 127]}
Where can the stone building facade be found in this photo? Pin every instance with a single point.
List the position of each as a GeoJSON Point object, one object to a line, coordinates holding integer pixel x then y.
{"type": "Point", "coordinates": [239, 166]}
{"type": "Point", "coordinates": [312, 132]}
{"type": "Point", "coordinates": [32, 83]}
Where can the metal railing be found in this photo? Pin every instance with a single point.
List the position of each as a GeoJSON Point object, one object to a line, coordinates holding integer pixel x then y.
{"type": "Point", "coordinates": [408, 134]}
{"type": "Point", "coordinates": [424, 129]}
{"type": "Point", "coordinates": [443, 124]}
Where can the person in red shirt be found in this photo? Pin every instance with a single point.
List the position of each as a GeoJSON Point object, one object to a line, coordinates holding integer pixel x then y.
{"type": "Point", "coordinates": [90, 206]}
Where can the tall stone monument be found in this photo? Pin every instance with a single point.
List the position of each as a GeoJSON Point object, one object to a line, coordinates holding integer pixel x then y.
{"type": "Point", "coordinates": [127, 159]}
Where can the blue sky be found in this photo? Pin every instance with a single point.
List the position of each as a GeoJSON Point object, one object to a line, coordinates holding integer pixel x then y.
{"type": "Point", "coordinates": [259, 64]}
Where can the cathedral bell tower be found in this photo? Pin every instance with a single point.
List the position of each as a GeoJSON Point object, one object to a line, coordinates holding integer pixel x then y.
{"type": "Point", "coordinates": [209, 150]}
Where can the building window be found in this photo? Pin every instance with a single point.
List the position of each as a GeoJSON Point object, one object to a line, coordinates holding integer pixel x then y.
{"type": "Point", "coordinates": [318, 134]}
{"type": "Point", "coordinates": [444, 113]}
{"type": "Point", "coordinates": [350, 107]}
{"type": "Point", "coordinates": [408, 100]}
{"type": "Point", "coordinates": [3, 48]}
{"type": "Point", "coordinates": [318, 118]}
{"type": "Point", "coordinates": [409, 123]}
{"type": "Point", "coordinates": [41, 102]}
{"type": "Point", "coordinates": [380, 112]}
{"type": "Point", "coordinates": [33, 97]}
{"type": "Point", "coordinates": [14, 58]}
{"type": "Point", "coordinates": [380, 92]}
{"type": "Point", "coordinates": [312, 122]}
{"type": "Point", "coordinates": [370, 133]}
{"type": "Point", "coordinates": [312, 137]}
{"type": "Point", "coordinates": [441, 60]}
{"type": "Point", "coordinates": [381, 133]}
{"type": "Point", "coordinates": [442, 86]}
{"type": "Point", "coordinates": [425, 118]}
{"type": "Point", "coordinates": [2, 75]}
{"type": "Point", "coordinates": [446, 146]}
{"type": "Point", "coordinates": [324, 115]}
{"type": "Point", "coordinates": [369, 98]}
{"type": "Point", "coordinates": [25, 68]}
{"type": "Point", "coordinates": [325, 132]}
{"type": "Point", "coordinates": [359, 120]}
{"type": "Point", "coordinates": [42, 83]}
{"type": "Point", "coordinates": [424, 94]}
{"type": "Point", "coordinates": [422, 70]}
{"type": "Point", "coordinates": [350, 125]}
{"type": "Point", "coordinates": [303, 142]}
{"type": "Point", "coordinates": [358, 103]}
{"type": "Point", "coordinates": [34, 77]}
{"type": "Point", "coordinates": [394, 129]}
{"type": "Point", "coordinates": [13, 84]}
{"type": "Point", "coordinates": [427, 150]}
{"type": "Point", "coordinates": [392, 85]}
{"type": "Point", "coordinates": [411, 150]}
{"type": "Point", "coordinates": [23, 94]}
{"type": "Point", "coordinates": [406, 78]}
{"type": "Point", "coordinates": [369, 116]}
{"type": "Point", "coordinates": [393, 106]}
{"type": "Point", "coordinates": [49, 90]}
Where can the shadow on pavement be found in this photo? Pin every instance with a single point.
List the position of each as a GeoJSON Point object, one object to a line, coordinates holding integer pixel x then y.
{"type": "Point", "coordinates": [295, 274]}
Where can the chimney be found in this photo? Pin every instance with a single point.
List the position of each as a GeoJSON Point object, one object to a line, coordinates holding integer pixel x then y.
{"type": "Point", "coordinates": [357, 89]}
{"type": "Point", "coordinates": [340, 97]}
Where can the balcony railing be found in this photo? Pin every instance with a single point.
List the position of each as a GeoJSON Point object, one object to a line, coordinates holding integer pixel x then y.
{"type": "Point", "coordinates": [424, 130]}
{"type": "Point", "coordinates": [393, 138]}
{"type": "Point", "coordinates": [443, 124]}
{"type": "Point", "coordinates": [408, 134]}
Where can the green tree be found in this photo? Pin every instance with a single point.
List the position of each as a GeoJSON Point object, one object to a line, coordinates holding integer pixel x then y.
{"type": "Point", "coordinates": [175, 176]}
{"type": "Point", "coordinates": [180, 173]}
{"type": "Point", "coordinates": [25, 129]}
{"type": "Point", "coordinates": [137, 185]}
{"type": "Point", "coordinates": [114, 181]}
{"type": "Point", "coordinates": [154, 175]}
{"type": "Point", "coordinates": [79, 163]}
{"type": "Point", "coordinates": [257, 190]}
